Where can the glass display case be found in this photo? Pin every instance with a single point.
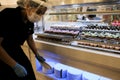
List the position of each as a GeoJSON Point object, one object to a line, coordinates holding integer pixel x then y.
{"type": "Point", "coordinates": [70, 23]}
{"type": "Point", "coordinates": [67, 35]}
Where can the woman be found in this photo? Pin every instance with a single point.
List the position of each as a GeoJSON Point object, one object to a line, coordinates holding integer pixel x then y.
{"type": "Point", "coordinates": [17, 26]}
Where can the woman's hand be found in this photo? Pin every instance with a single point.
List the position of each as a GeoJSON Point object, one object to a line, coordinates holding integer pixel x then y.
{"type": "Point", "coordinates": [19, 70]}
{"type": "Point", "coordinates": [46, 65]}
{"type": "Point", "coordinates": [42, 62]}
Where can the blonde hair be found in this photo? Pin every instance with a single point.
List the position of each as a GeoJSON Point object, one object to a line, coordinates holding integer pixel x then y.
{"type": "Point", "coordinates": [31, 3]}
{"type": "Point", "coordinates": [22, 3]}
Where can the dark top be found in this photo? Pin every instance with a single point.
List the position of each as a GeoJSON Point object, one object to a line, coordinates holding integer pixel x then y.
{"type": "Point", "coordinates": [13, 29]}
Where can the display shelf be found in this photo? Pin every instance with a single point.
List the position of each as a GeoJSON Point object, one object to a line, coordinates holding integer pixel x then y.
{"type": "Point", "coordinates": [98, 30]}
{"type": "Point", "coordinates": [98, 48]}
{"type": "Point", "coordinates": [70, 73]}
{"type": "Point", "coordinates": [93, 12]}
{"type": "Point", "coordinates": [95, 61]}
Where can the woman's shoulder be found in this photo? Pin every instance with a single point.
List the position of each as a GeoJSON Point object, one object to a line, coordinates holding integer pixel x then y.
{"type": "Point", "coordinates": [10, 12]}
{"type": "Point", "coordinates": [10, 9]}
{"type": "Point", "coordinates": [7, 10]}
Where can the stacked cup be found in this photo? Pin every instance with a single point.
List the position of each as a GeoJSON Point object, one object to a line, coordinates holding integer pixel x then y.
{"type": "Point", "coordinates": [74, 74]}
{"type": "Point", "coordinates": [60, 70]}
{"type": "Point", "coordinates": [104, 78]}
{"type": "Point", "coordinates": [90, 76]}
{"type": "Point", "coordinates": [49, 71]}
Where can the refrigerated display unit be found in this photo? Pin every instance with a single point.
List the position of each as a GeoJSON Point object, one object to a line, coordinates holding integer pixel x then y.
{"type": "Point", "coordinates": [67, 37]}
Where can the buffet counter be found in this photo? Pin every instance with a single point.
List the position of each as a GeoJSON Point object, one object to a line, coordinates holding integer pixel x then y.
{"type": "Point", "coordinates": [99, 62]}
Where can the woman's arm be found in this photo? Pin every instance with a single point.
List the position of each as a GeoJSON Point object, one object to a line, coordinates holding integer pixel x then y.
{"type": "Point", "coordinates": [31, 44]}
{"type": "Point", "coordinates": [5, 57]}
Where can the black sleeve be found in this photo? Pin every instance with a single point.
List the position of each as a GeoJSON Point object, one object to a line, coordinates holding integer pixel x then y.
{"type": "Point", "coordinates": [2, 24]}
{"type": "Point", "coordinates": [31, 28]}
